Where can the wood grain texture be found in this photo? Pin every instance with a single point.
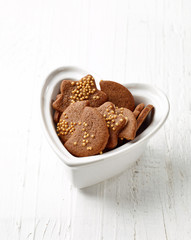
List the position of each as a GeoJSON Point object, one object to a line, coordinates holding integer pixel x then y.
{"type": "Point", "coordinates": [126, 41]}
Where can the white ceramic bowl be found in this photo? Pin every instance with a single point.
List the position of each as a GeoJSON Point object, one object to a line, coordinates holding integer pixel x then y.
{"type": "Point", "coordinates": [86, 171]}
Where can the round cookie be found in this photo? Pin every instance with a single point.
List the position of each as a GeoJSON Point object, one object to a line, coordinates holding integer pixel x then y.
{"type": "Point", "coordinates": [138, 109]}
{"type": "Point", "coordinates": [129, 131]}
{"type": "Point", "coordinates": [70, 119]}
{"type": "Point", "coordinates": [143, 115]}
{"type": "Point", "coordinates": [118, 94]}
{"type": "Point", "coordinates": [74, 91]}
{"type": "Point", "coordinates": [115, 123]}
{"type": "Point", "coordinates": [91, 136]}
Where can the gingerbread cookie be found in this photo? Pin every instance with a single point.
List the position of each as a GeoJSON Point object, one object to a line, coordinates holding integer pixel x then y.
{"type": "Point", "coordinates": [115, 123]}
{"type": "Point", "coordinates": [91, 136]}
{"type": "Point", "coordinates": [129, 131]}
{"type": "Point", "coordinates": [143, 115]}
{"type": "Point", "coordinates": [138, 109]}
{"type": "Point", "coordinates": [57, 114]}
{"type": "Point", "coordinates": [70, 119]}
{"type": "Point", "coordinates": [118, 94]}
{"type": "Point", "coordinates": [74, 91]}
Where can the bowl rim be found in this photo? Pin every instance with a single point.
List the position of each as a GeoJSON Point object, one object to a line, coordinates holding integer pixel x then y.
{"type": "Point", "coordinates": [73, 161]}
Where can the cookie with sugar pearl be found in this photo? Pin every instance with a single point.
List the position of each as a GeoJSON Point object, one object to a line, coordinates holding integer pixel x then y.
{"type": "Point", "coordinates": [138, 109]}
{"type": "Point", "coordinates": [91, 136]}
{"type": "Point", "coordinates": [143, 115]}
{"type": "Point", "coordinates": [74, 91]}
{"type": "Point", "coordinates": [130, 129]}
{"type": "Point", "coordinates": [115, 122]}
{"type": "Point", "coordinates": [70, 119]}
{"type": "Point", "coordinates": [118, 94]}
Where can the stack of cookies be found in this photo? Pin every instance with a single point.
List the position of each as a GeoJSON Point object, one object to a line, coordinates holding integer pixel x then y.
{"type": "Point", "coordinates": [90, 121]}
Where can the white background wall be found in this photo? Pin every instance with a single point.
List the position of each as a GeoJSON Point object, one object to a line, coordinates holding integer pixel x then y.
{"type": "Point", "coordinates": [122, 40]}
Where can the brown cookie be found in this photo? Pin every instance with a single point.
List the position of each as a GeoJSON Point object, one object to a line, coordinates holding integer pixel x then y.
{"type": "Point", "coordinates": [143, 115]}
{"type": "Point", "coordinates": [57, 114]}
{"type": "Point", "coordinates": [115, 123]}
{"type": "Point", "coordinates": [70, 119]}
{"type": "Point", "coordinates": [91, 136]}
{"type": "Point", "coordinates": [74, 91]}
{"type": "Point", "coordinates": [118, 94]}
{"type": "Point", "coordinates": [129, 131]}
{"type": "Point", "coordinates": [63, 100]}
{"type": "Point", "coordinates": [138, 109]}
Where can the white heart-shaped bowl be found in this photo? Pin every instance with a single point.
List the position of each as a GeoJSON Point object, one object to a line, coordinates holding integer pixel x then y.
{"type": "Point", "coordinates": [86, 171]}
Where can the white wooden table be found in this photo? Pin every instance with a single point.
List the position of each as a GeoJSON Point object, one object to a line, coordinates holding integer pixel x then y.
{"type": "Point", "coordinates": [145, 41]}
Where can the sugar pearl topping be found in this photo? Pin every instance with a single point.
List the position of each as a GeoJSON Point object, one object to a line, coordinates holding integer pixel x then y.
{"type": "Point", "coordinates": [64, 127]}
{"type": "Point", "coordinates": [120, 112]}
{"type": "Point", "coordinates": [86, 137]}
{"type": "Point", "coordinates": [83, 89]}
{"type": "Point", "coordinates": [111, 118]}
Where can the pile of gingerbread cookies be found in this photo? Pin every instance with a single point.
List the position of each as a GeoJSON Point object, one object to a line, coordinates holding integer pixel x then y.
{"type": "Point", "coordinates": [90, 121]}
